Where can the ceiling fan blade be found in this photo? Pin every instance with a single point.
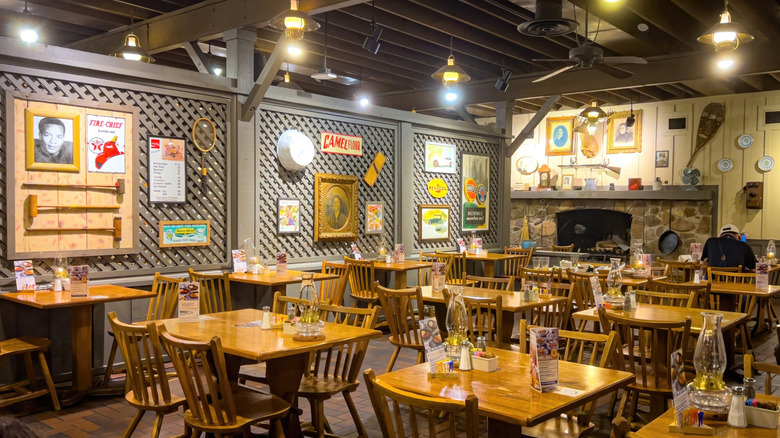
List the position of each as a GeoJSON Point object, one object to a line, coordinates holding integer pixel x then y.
{"type": "Point", "coordinates": [612, 71]}
{"type": "Point", "coordinates": [623, 60]}
{"type": "Point", "coordinates": [551, 60]}
{"type": "Point", "coordinates": [556, 72]}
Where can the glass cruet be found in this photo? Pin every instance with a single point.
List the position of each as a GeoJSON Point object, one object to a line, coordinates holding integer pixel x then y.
{"type": "Point", "coordinates": [309, 323]}
{"type": "Point", "coordinates": [708, 391]}
{"type": "Point", "coordinates": [457, 316]}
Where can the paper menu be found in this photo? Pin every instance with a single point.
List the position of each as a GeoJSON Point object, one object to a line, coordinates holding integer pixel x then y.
{"type": "Point", "coordinates": [25, 275]}
{"type": "Point", "coordinates": [696, 251]}
{"type": "Point", "coordinates": [762, 276]}
{"type": "Point", "coordinates": [189, 301]}
{"type": "Point", "coordinates": [79, 281]}
{"type": "Point", "coordinates": [598, 296]}
{"type": "Point", "coordinates": [356, 252]}
{"type": "Point", "coordinates": [679, 385]}
{"type": "Point", "coordinates": [438, 276]}
{"type": "Point", "coordinates": [281, 263]}
{"type": "Point", "coordinates": [239, 260]}
{"type": "Point", "coordinates": [461, 245]}
{"type": "Point", "coordinates": [543, 348]}
{"type": "Point", "coordinates": [400, 253]}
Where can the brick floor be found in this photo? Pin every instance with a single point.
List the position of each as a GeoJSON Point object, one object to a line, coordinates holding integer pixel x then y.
{"type": "Point", "coordinates": [109, 416]}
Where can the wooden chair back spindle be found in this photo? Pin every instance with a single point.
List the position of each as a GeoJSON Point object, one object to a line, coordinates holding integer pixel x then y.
{"type": "Point", "coordinates": [163, 305]}
{"type": "Point", "coordinates": [332, 291]}
{"type": "Point", "coordinates": [214, 291]}
{"type": "Point", "coordinates": [361, 280]}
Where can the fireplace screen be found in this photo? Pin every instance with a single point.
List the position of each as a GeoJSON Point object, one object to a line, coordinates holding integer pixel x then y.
{"type": "Point", "coordinates": [595, 231]}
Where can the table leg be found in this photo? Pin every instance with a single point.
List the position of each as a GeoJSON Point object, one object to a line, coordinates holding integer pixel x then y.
{"type": "Point", "coordinates": [490, 268]}
{"type": "Point", "coordinates": [507, 324]}
{"type": "Point", "coordinates": [81, 352]}
{"type": "Point", "coordinates": [502, 429]}
{"type": "Point", "coordinates": [279, 288]}
{"type": "Point", "coordinates": [287, 373]}
{"type": "Point", "coordinates": [400, 279]}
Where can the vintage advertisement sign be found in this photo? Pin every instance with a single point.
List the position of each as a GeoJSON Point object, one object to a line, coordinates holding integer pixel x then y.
{"type": "Point", "coordinates": [475, 192]}
{"type": "Point", "coordinates": [438, 188]}
{"type": "Point", "coordinates": [167, 170]}
{"type": "Point", "coordinates": [185, 233]}
{"type": "Point", "coordinates": [332, 143]}
{"type": "Point", "coordinates": [105, 144]}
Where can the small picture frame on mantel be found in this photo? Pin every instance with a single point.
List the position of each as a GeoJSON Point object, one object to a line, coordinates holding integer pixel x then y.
{"type": "Point", "coordinates": [567, 181]}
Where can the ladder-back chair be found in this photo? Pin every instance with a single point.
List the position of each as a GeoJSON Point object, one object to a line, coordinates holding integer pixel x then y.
{"type": "Point", "coordinates": [332, 291]}
{"type": "Point", "coordinates": [491, 282]}
{"type": "Point", "coordinates": [214, 291]}
{"type": "Point", "coordinates": [403, 309]}
{"type": "Point", "coordinates": [361, 280]}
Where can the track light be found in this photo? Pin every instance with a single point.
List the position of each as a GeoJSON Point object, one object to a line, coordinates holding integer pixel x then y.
{"type": "Point", "coordinates": [502, 84]}
{"type": "Point", "coordinates": [372, 43]}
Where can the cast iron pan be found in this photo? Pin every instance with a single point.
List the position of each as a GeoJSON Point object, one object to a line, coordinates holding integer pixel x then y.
{"type": "Point", "coordinates": [669, 240]}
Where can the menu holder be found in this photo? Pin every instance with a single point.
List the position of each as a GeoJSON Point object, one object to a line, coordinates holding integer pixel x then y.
{"type": "Point", "coordinates": [239, 261]}
{"type": "Point", "coordinates": [438, 276]}
{"type": "Point", "coordinates": [543, 346]}
{"type": "Point", "coordinates": [400, 253]}
{"type": "Point", "coordinates": [79, 281]}
{"type": "Point", "coordinates": [189, 301]}
{"type": "Point", "coordinates": [356, 252]}
{"type": "Point", "coordinates": [281, 263]}
{"type": "Point", "coordinates": [25, 275]}
{"type": "Point", "coordinates": [598, 296]}
{"type": "Point", "coordinates": [762, 276]}
{"type": "Point", "coordinates": [461, 245]}
{"type": "Point", "coordinates": [438, 363]}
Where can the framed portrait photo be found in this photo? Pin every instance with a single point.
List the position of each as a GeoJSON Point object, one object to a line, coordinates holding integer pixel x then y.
{"type": "Point", "coordinates": [434, 222]}
{"type": "Point", "coordinates": [567, 181]}
{"type": "Point", "coordinates": [375, 217]}
{"type": "Point", "coordinates": [335, 207]}
{"type": "Point", "coordinates": [440, 157]}
{"type": "Point", "coordinates": [52, 140]}
{"type": "Point", "coordinates": [620, 137]}
{"type": "Point", "coordinates": [559, 136]}
{"type": "Point", "coordinates": [661, 158]}
{"type": "Point", "coordinates": [288, 216]}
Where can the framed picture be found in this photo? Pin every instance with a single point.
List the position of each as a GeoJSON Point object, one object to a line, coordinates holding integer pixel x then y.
{"type": "Point", "coordinates": [440, 157]}
{"type": "Point", "coordinates": [661, 158]}
{"type": "Point", "coordinates": [52, 139]}
{"type": "Point", "coordinates": [434, 222]}
{"type": "Point", "coordinates": [288, 216]}
{"type": "Point", "coordinates": [559, 136]}
{"type": "Point", "coordinates": [375, 217]}
{"type": "Point", "coordinates": [167, 170]}
{"type": "Point", "coordinates": [620, 137]}
{"type": "Point", "coordinates": [567, 181]}
{"type": "Point", "coordinates": [335, 207]}
{"type": "Point", "coordinates": [185, 233]}
{"type": "Point", "coordinates": [475, 192]}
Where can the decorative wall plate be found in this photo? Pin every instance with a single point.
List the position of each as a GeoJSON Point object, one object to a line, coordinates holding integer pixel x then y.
{"type": "Point", "coordinates": [766, 163]}
{"type": "Point", "coordinates": [725, 164]}
{"type": "Point", "coordinates": [527, 165]}
{"type": "Point", "coordinates": [745, 141]}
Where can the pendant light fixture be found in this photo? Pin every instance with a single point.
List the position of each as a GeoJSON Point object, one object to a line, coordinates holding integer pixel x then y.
{"type": "Point", "coordinates": [726, 36]}
{"type": "Point", "coordinates": [325, 74]}
{"type": "Point", "coordinates": [631, 119]}
{"type": "Point", "coordinates": [592, 116]}
{"type": "Point", "coordinates": [131, 49]}
{"type": "Point", "coordinates": [27, 30]}
{"type": "Point", "coordinates": [294, 22]}
{"type": "Point", "coordinates": [451, 75]}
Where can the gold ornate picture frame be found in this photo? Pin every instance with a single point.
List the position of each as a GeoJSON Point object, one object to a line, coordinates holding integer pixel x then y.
{"type": "Point", "coordinates": [622, 139]}
{"type": "Point", "coordinates": [336, 207]}
{"type": "Point", "coordinates": [52, 139]}
{"type": "Point", "coordinates": [560, 131]}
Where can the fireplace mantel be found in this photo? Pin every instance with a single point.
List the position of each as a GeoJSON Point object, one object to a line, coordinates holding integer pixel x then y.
{"type": "Point", "coordinates": [671, 193]}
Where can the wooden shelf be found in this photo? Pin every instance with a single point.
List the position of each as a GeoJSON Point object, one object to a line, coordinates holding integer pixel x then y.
{"type": "Point", "coordinates": [674, 193]}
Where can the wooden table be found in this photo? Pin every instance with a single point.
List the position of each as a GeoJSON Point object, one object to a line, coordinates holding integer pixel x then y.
{"type": "Point", "coordinates": [654, 312]}
{"type": "Point", "coordinates": [505, 396]}
{"type": "Point", "coordinates": [400, 270]}
{"type": "Point", "coordinates": [286, 358]}
{"type": "Point", "coordinates": [489, 260]}
{"type": "Point", "coordinates": [628, 282]}
{"type": "Point", "coordinates": [660, 427]}
{"type": "Point", "coordinates": [277, 283]}
{"type": "Point", "coordinates": [81, 326]}
{"type": "Point", "coordinates": [511, 302]}
{"type": "Point", "coordinates": [728, 292]}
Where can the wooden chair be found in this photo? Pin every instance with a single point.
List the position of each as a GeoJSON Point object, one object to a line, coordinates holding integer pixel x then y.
{"type": "Point", "coordinates": [552, 315]}
{"type": "Point", "coordinates": [666, 299]}
{"type": "Point", "coordinates": [27, 389]}
{"type": "Point", "coordinates": [561, 290]}
{"type": "Point", "coordinates": [490, 282]}
{"type": "Point", "coordinates": [702, 291]}
{"type": "Point", "coordinates": [456, 267]}
{"type": "Point", "coordinates": [679, 272]}
{"type": "Point", "coordinates": [403, 309]}
{"type": "Point", "coordinates": [583, 348]}
{"type": "Point", "coordinates": [336, 370]}
{"type": "Point", "coordinates": [161, 306]}
{"type": "Point", "coordinates": [720, 275]}
{"type": "Point", "coordinates": [214, 291]}
{"type": "Point", "coordinates": [742, 303]}
{"type": "Point", "coordinates": [434, 407]}
{"type": "Point", "coordinates": [487, 318]}
{"type": "Point", "coordinates": [752, 368]}
{"type": "Point", "coordinates": [282, 301]}
{"type": "Point", "coordinates": [149, 387]}
{"type": "Point", "coordinates": [213, 407]}
{"type": "Point", "coordinates": [643, 349]}
{"type": "Point", "coordinates": [514, 266]}
{"type": "Point", "coordinates": [563, 248]}
{"type": "Point", "coordinates": [424, 275]}
{"type": "Point", "coordinates": [542, 276]}
{"type": "Point", "coordinates": [582, 289]}
{"type": "Point", "coordinates": [332, 291]}
{"type": "Point", "coordinates": [361, 280]}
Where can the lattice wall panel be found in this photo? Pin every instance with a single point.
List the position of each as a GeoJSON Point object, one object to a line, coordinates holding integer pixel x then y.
{"type": "Point", "coordinates": [159, 115]}
{"type": "Point", "coordinates": [275, 181]}
{"type": "Point", "coordinates": [421, 195]}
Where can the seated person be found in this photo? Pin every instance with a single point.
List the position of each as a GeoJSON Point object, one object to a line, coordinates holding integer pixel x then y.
{"type": "Point", "coordinates": [728, 251]}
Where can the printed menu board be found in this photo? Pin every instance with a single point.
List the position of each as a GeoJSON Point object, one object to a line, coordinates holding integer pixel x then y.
{"type": "Point", "coordinates": [167, 170]}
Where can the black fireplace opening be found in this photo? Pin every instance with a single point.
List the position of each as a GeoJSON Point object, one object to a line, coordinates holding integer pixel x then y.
{"type": "Point", "coordinates": [595, 231]}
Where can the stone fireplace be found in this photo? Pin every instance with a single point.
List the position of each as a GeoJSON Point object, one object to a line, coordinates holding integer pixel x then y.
{"type": "Point", "coordinates": [691, 213]}
{"type": "Point", "coordinates": [586, 228]}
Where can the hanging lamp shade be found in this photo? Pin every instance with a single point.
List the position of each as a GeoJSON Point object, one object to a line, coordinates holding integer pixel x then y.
{"type": "Point", "coordinates": [132, 50]}
{"type": "Point", "coordinates": [294, 22]}
{"type": "Point", "coordinates": [451, 75]}
{"type": "Point", "coordinates": [726, 36]}
{"type": "Point", "coordinates": [592, 116]}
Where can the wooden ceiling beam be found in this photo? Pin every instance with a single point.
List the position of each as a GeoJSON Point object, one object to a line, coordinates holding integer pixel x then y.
{"type": "Point", "coordinates": [669, 18]}
{"type": "Point", "coordinates": [205, 20]}
{"type": "Point", "coordinates": [761, 15]}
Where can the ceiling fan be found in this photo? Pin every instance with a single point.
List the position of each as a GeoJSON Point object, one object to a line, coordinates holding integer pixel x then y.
{"type": "Point", "coordinates": [589, 56]}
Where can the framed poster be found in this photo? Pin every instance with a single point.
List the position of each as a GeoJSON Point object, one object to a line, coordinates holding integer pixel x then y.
{"type": "Point", "coordinates": [105, 143]}
{"type": "Point", "coordinates": [167, 170]}
{"type": "Point", "coordinates": [559, 136]}
{"type": "Point", "coordinates": [661, 158]}
{"type": "Point", "coordinates": [475, 192]}
{"type": "Point", "coordinates": [375, 217]}
{"type": "Point", "coordinates": [440, 157]}
{"type": "Point", "coordinates": [567, 181]}
{"type": "Point", "coordinates": [620, 137]}
{"type": "Point", "coordinates": [335, 207]}
{"type": "Point", "coordinates": [52, 139]}
{"type": "Point", "coordinates": [434, 222]}
{"type": "Point", "coordinates": [288, 216]}
{"type": "Point", "coordinates": [185, 233]}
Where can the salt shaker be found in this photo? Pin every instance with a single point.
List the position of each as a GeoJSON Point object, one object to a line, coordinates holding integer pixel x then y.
{"type": "Point", "coordinates": [266, 321]}
{"type": "Point", "coordinates": [737, 409]}
{"type": "Point", "coordinates": [465, 356]}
